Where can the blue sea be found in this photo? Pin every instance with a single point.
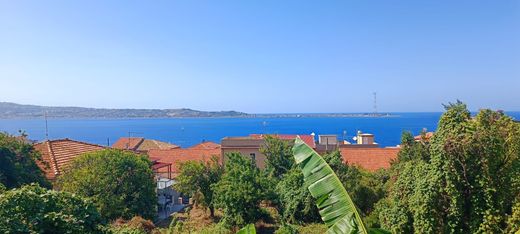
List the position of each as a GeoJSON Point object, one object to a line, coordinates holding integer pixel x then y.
{"type": "Point", "coordinates": [190, 131]}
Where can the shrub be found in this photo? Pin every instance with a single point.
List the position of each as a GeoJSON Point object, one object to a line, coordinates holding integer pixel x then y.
{"type": "Point", "coordinates": [120, 183]}
{"type": "Point", "coordinates": [33, 209]}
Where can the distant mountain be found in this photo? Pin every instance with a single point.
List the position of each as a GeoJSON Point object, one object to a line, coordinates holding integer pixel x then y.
{"type": "Point", "coordinates": [13, 110]}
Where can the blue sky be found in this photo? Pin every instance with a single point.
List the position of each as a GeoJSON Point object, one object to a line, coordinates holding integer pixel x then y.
{"type": "Point", "coordinates": [261, 56]}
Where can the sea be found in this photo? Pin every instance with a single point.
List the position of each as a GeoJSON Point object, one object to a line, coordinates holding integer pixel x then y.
{"type": "Point", "coordinates": [186, 132]}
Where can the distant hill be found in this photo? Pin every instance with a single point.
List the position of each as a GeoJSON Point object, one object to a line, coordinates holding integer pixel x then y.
{"type": "Point", "coordinates": [13, 110]}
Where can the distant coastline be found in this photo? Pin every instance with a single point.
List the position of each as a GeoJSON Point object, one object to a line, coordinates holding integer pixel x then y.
{"type": "Point", "coordinates": [10, 110]}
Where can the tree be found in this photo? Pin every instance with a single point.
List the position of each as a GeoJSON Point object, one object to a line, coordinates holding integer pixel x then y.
{"type": "Point", "coordinates": [120, 183]}
{"type": "Point", "coordinates": [18, 163]}
{"type": "Point", "coordinates": [464, 181]}
{"type": "Point", "coordinates": [279, 157]}
{"type": "Point", "coordinates": [33, 209]}
{"type": "Point", "coordinates": [296, 203]}
{"type": "Point", "coordinates": [240, 191]}
{"type": "Point", "coordinates": [197, 178]}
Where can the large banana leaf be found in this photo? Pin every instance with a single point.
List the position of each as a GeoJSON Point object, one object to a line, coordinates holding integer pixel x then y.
{"type": "Point", "coordinates": [249, 229]}
{"type": "Point", "coordinates": [335, 205]}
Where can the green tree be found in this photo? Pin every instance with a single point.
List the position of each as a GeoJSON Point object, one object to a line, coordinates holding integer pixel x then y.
{"type": "Point", "coordinates": [240, 191]}
{"type": "Point", "coordinates": [120, 183]}
{"type": "Point", "coordinates": [463, 181]}
{"type": "Point", "coordinates": [279, 157]}
{"type": "Point", "coordinates": [196, 178]}
{"type": "Point", "coordinates": [297, 206]}
{"type": "Point", "coordinates": [33, 209]}
{"type": "Point", "coordinates": [18, 163]}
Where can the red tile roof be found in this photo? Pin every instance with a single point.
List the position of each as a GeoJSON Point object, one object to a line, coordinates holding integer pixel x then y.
{"type": "Point", "coordinates": [206, 145]}
{"type": "Point", "coordinates": [59, 153]}
{"type": "Point", "coordinates": [371, 159]}
{"type": "Point", "coordinates": [130, 143]}
{"type": "Point", "coordinates": [141, 144]}
{"type": "Point", "coordinates": [179, 155]}
{"type": "Point", "coordinates": [427, 136]}
{"type": "Point", "coordinates": [308, 139]}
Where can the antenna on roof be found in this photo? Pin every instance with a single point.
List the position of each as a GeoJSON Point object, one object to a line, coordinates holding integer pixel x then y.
{"type": "Point", "coordinates": [46, 126]}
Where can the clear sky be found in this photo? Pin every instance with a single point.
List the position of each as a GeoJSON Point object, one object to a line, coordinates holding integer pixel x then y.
{"type": "Point", "coordinates": [261, 56]}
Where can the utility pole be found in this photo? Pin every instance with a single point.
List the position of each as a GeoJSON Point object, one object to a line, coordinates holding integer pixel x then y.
{"type": "Point", "coordinates": [46, 126]}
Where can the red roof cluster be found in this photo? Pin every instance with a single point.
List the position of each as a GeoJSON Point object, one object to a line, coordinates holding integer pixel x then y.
{"type": "Point", "coordinates": [202, 152]}
{"type": "Point", "coordinates": [370, 159]}
{"type": "Point", "coordinates": [141, 144]}
{"type": "Point", "coordinates": [308, 139]}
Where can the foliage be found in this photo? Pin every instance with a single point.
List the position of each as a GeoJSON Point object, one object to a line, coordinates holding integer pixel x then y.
{"type": "Point", "coordinates": [248, 229]}
{"type": "Point", "coordinates": [286, 229]}
{"type": "Point", "coordinates": [18, 163]}
{"type": "Point", "coordinates": [33, 209]}
{"type": "Point", "coordinates": [279, 157]}
{"type": "Point", "coordinates": [120, 183]}
{"type": "Point", "coordinates": [137, 225]}
{"type": "Point", "coordinates": [463, 181]}
{"type": "Point", "coordinates": [364, 187]}
{"type": "Point", "coordinates": [312, 228]}
{"type": "Point", "coordinates": [196, 178]}
{"type": "Point", "coordinates": [296, 203]}
{"type": "Point", "coordinates": [335, 205]}
{"type": "Point", "coordinates": [240, 191]}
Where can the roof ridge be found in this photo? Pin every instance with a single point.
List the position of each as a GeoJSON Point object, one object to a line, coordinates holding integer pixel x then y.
{"type": "Point", "coordinates": [53, 158]}
{"type": "Point", "coordinates": [67, 139]}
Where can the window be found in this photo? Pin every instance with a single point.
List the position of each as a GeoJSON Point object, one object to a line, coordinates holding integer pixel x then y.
{"type": "Point", "coordinates": [253, 157]}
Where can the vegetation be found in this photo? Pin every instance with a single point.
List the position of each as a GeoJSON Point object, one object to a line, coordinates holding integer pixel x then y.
{"type": "Point", "coordinates": [120, 183]}
{"type": "Point", "coordinates": [240, 191]}
{"type": "Point", "coordinates": [196, 179]}
{"type": "Point", "coordinates": [33, 209]}
{"type": "Point", "coordinates": [465, 180]}
{"type": "Point", "coordinates": [18, 163]}
{"type": "Point", "coordinates": [279, 159]}
{"type": "Point", "coordinates": [335, 205]}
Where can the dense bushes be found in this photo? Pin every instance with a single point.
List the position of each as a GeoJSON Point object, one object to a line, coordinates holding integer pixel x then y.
{"type": "Point", "coordinates": [33, 209]}
{"type": "Point", "coordinates": [463, 181]}
{"type": "Point", "coordinates": [120, 183]}
{"type": "Point", "coordinates": [240, 191]}
{"type": "Point", "coordinates": [18, 163]}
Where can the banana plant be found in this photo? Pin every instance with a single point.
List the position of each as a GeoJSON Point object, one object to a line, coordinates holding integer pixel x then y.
{"type": "Point", "coordinates": [249, 229]}
{"type": "Point", "coordinates": [335, 205]}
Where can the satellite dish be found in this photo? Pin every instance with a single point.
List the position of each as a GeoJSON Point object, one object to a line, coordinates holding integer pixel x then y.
{"type": "Point", "coordinates": [354, 138]}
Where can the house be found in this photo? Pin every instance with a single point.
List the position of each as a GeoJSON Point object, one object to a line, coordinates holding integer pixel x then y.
{"type": "Point", "coordinates": [369, 158]}
{"type": "Point", "coordinates": [141, 145]}
{"type": "Point", "coordinates": [251, 145]}
{"type": "Point", "coordinates": [58, 154]}
{"type": "Point", "coordinates": [202, 152]}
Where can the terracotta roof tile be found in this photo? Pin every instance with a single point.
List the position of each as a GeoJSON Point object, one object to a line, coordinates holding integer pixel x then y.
{"type": "Point", "coordinates": [206, 145]}
{"type": "Point", "coordinates": [371, 159]}
{"type": "Point", "coordinates": [427, 136]}
{"type": "Point", "coordinates": [130, 143]}
{"type": "Point", "coordinates": [141, 144]}
{"type": "Point", "coordinates": [59, 153]}
{"type": "Point", "coordinates": [179, 155]}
